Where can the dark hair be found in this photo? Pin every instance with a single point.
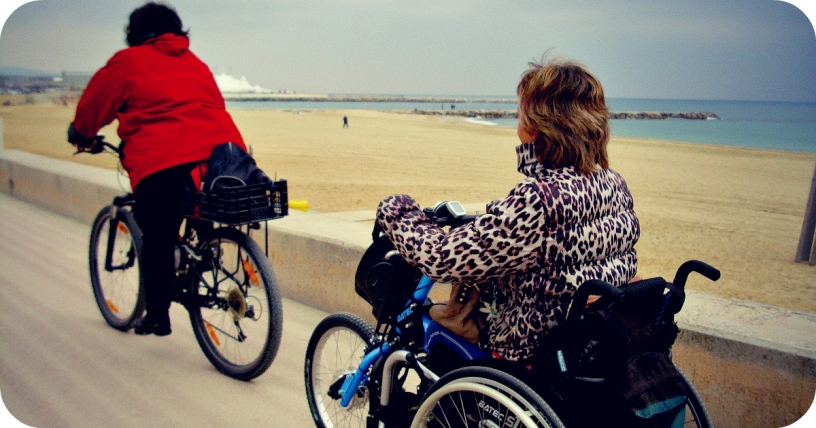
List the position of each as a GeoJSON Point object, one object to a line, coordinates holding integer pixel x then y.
{"type": "Point", "coordinates": [563, 105]}
{"type": "Point", "coordinates": [152, 20]}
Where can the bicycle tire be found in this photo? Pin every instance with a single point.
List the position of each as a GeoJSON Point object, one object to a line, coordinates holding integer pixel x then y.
{"type": "Point", "coordinates": [119, 291]}
{"type": "Point", "coordinates": [478, 396]}
{"type": "Point", "coordinates": [239, 327]}
{"type": "Point", "coordinates": [335, 350]}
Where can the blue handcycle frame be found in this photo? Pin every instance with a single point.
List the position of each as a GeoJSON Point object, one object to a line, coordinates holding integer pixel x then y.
{"type": "Point", "coordinates": [432, 329]}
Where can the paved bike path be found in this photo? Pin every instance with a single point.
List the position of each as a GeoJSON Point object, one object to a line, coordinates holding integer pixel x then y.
{"type": "Point", "coordinates": [61, 365]}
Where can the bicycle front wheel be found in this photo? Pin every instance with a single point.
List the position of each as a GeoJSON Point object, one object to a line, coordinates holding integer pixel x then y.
{"type": "Point", "coordinates": [114, 253]}
{"type": "Point", "coordinates": [235, 308]}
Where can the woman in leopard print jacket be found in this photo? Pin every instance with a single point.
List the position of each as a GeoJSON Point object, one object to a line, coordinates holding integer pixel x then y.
{"type": "Point", "coordinates": [570, 220]}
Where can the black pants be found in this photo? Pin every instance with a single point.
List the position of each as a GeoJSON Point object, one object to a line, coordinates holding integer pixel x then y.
{"type": "Point", "coordinates": [158, 213]}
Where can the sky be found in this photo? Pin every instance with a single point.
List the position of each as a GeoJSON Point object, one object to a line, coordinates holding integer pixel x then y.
{"type": "Point", "coordinates": [761, 50]}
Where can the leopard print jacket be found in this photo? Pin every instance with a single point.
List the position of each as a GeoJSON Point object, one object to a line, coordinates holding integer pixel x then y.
{"type": "Point", "coordinates": [555, 230]}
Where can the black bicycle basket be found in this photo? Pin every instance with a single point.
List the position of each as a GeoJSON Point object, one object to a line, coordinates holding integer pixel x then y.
{"type": "Point", "coordinates": [385, 280]}
{"type": "Point", "coordinates": [239, 205]}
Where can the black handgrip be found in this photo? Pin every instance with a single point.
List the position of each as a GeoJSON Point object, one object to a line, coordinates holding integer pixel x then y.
{"type": "Point", "coordinates": [690, 266]}
{"type": "Point", "coordinates": [99, 145]}
{"type": "Point", "coordinates": [449, 213]}
{"type": "Point", "coordinates": [377, 231]}
{"type": "Point", "coordinates": [456, 221]}
{"type": "Point", "coordinates": [591, 287]}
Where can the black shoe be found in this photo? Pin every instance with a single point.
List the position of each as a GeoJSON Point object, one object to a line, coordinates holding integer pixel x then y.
{"type": "Point", "coordinates": [147, 326]}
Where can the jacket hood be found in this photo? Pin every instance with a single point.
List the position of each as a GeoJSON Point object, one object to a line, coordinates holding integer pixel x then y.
{"type": "Point", "coordinates": [169, 44]}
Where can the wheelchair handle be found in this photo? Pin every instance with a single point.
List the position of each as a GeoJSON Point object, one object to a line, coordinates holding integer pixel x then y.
{"type": "Point", "coordinates": [591, 287]}
{"type": "Point", "coordinates": [376, 232]}
{"type": "Point", "coordinates": [690, 266]}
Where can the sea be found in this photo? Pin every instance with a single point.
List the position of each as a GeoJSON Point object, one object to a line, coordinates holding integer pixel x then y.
{"type": "Point", "coordinates": [787, 126]}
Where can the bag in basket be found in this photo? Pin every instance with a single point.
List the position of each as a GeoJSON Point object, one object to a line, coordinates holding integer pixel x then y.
{"type": "Point", "coordinates": [230, 167]}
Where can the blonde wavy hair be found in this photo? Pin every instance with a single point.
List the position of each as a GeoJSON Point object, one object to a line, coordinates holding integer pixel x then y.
{"type": "Point", "coordinates": [563, 106]}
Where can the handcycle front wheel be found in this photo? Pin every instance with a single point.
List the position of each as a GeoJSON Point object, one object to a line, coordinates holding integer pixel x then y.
{"type": "Point", "coordinates": [114, 253]}
{"type": "Point", "coordinates": [483, 397]}
{"type": "Point", "coordinates": [235, 306]}
{"type": "Point", "coordinates": [336, 348]}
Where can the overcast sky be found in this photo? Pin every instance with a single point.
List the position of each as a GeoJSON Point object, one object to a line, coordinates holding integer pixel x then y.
{"type": "Point", "coordinates": [687, 49]}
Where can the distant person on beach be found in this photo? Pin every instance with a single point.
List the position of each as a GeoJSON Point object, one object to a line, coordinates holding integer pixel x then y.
{"type": "Point", "coordinates": [569, 221]}
{"type": "Point", "coordinates": [171, 115]}
{"type": "Point", "coordinates": [345, 121]}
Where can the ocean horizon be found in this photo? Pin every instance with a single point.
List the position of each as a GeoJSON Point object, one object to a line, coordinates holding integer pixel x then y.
{"type": "Point", "coordinates": [788, 126]}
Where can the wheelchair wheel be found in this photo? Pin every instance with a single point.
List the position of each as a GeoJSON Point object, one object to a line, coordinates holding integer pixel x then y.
{"type": "Point", "coordinates": [483, 397]}
{"type": "Point", "coordinates": [696, 413]}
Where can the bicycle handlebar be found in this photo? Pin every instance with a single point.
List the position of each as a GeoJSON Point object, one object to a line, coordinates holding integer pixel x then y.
{"type": "Point", "coordinates": [449, 220]}
{"type": "Point", "coordinates": [99, 146]}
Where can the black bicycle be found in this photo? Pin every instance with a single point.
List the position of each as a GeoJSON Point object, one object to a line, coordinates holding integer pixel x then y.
{"type": "Point", "coordinates": [223, 277]}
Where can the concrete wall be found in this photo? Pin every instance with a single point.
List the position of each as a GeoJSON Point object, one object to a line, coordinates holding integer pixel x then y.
{"type": "Point", "coordinates": [754, 365]}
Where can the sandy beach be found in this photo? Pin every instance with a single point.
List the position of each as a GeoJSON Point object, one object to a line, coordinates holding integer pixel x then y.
{"type": "Point", "coordinates": [738, 209]}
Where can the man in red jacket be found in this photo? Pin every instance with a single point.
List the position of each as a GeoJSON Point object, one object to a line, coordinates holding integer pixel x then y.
{"type": "Point", "coordinates": [171, 115]}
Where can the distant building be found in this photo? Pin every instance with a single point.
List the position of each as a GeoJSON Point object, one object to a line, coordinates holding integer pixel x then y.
{"type": "Point", "coordinates": [75, 80]}
{"type": "Point", "coordinates": [28, 83]}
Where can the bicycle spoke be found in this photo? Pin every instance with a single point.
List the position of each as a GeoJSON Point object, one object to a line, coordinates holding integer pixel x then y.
{"type": "Point", "coordinates": [236, 305]}
{"type": "Point", "coordinates": [114, 268]}
{"type": "Point", "coordinates": [333, 354]}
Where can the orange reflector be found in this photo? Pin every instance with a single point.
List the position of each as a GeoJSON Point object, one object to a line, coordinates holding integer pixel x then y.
{"type": "Point", "coordinates": [122, 228]}
{"type": "Point", "coordinates": [211, 330]}
{"type": "Point", "coordinates": [250, 270]}
{"type": "Point", "coordinates": [112, 306]}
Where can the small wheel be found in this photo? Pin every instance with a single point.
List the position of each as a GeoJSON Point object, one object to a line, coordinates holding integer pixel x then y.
{"type": "Point", "coordinates": [483, 397]}
{"type": "Point", "coordinates": [695, 412]}
{"type": "Point", "coordinates": [235, 307]}
{"type": "Point", "coordinates": [336, 348]}
{"type": "Point", "coordinates": [114, 253]}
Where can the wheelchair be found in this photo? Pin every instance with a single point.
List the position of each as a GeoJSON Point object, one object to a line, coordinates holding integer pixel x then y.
{"type": "Point", "coordinates": [607, 364]}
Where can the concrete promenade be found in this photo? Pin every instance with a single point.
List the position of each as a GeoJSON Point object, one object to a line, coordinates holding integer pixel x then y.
{"type": "Point", "coordinates": [754, 365]}
{"type": "Point", "coordinates": [61, 365]}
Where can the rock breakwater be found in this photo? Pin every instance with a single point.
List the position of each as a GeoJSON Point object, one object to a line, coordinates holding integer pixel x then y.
{"type": "Point", "coordinates": [363, 98]}
{"type": "Point", "coordinates": [507, 114]}
{"type": "Point", "coordinates": [458, 102]}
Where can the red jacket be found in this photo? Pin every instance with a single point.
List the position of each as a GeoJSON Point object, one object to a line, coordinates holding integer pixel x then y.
{"type": "Point", "coordinates": [169, 108]}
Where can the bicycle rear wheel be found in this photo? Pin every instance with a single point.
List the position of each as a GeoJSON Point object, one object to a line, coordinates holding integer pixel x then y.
{"type": "Point", "coordinates": [114, 253]}
{"type": "Point", "coordinates": [235, 308]}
